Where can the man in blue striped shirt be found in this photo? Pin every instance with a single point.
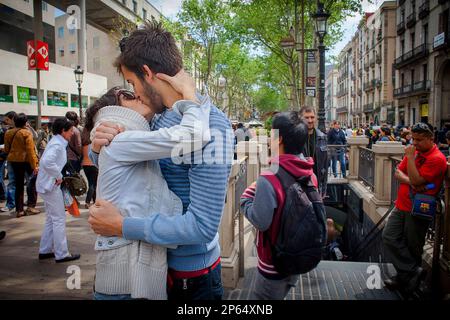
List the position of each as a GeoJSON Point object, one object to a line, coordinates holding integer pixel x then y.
{"type": "Point", "coordinates": [200, 179]}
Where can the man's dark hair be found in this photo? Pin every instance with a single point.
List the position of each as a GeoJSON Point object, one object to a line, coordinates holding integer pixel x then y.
{"type": "Point", "coordinates": [72, 116]}
{"type": "Point", "coordinates": [152, 46]}
{"type": "Point", "coordinates": [386, 131]}
{"type": "Point", "coordinates": [21, 120]}
{"type": "Point", "coordinates": [305, 109]}
{"type": "Point", "coordinates": [292, 130]}
{"type": "Point", "coordinates": [240, 125]}
{"type": "Point", "coordinates": [61, 124]}
{"type": "Point", "coordinates": [11, 115]}
{"type": "Point", "coordinates": [423, 128]}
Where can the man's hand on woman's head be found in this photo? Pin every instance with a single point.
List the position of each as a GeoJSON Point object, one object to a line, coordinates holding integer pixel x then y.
{"type": "Point", "coordinates": [182, 83]}
{"type": "Point", "coordinates": [104, 134]}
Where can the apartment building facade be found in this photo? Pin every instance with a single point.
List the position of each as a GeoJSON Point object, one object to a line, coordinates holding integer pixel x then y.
{"type": "Point", "coordinates": [344, 83]}
{"type": "Point", "coordinates": [423, 63]}
{"type": "Point", "coordinates": [101, 45]}
{"type": "Point", "coordinates": [378, 51]}
{"type": "Point", "coordinates": [18, 88]}
{"type": "Point", "coordinates": [331, 99]}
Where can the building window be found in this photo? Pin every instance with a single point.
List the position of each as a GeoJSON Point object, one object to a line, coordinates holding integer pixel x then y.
{"type": "Point", "coordinates": [96, 42]}
{"type": "Point", "coordinates": [134, 6]}
{"type": "Point", "coordinates": [61, 52]}
{"type": "Point", "coordinates": [72, 48]}
{"type": "Point", "coordinates": [59, 99]}
{"type": "Point", "coordinates": [72, 31]}
{"type": "Point", "coordinates": [124, 2]}
{"type": "Point", "coordinates": [61, 32]}
{"type": "Point", "coordinates": [144, 14]}
{"type": "Point", "coordinates": [6, 93]}
{"type": "Point", "coordinates": [44, 6]}
{"type": "Point", "coordinates": [96, 63]}
{"type": "Point", "coordinates": [28, 95]}
{"type": "Point", "coordinates": [425, 34]}
{"type": "Point", "coordinates": [425, 72]}
{"type": "Point", "coordinates": [74, 101]}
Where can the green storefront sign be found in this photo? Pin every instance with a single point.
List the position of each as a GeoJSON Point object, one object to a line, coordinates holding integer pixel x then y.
{"type": "Point", "coordinates": [23, 95]}
{"type": "Point", "coordinates": [57, 99]}
{"type": "Point", "coordinates": [6, 98]}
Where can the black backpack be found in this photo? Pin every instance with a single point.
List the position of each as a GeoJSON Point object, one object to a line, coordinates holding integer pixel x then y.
{"type": "Point", "coordinates": [302, 230]}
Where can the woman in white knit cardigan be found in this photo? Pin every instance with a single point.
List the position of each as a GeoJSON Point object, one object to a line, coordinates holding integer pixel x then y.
{"type": "Point", "coordinates": [131, 179]}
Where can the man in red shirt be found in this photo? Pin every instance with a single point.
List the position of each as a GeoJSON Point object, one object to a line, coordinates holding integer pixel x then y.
{"type": "Point", "coordinates": [404, 235]}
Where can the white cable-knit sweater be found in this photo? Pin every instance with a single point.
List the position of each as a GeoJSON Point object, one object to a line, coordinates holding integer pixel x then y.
{"type": "Point", "coordinates": [132, 181]}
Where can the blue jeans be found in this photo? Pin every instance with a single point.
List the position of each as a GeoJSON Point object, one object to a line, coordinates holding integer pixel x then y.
{"type": "Point", "coordinates": [2, 170]}
{"type": "Point", "coordinates": [206, 287]}
{"type": "Point", "coordinates": [340, 155]}
{"type": "Point", "coordinates": [101, 296]}
{"type": "Point", "coordinates": [11, 189]}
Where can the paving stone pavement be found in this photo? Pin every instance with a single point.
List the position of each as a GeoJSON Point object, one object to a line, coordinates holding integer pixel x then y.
{"type": "Point", "coordinates": [23, 276]}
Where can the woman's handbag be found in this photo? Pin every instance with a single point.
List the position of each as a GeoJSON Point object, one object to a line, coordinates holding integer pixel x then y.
{"type": "Point", "coordinates": [76, 184]}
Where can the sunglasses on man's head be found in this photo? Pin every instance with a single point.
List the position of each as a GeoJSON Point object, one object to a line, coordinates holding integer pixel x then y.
{"type": "Point", "coordinates": [421, 127]}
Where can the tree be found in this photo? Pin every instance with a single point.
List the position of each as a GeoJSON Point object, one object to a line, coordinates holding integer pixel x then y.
{"type": "Point", "coordinates": [205, 20]}
{"type": "Point", "coordinates": [264, 23]}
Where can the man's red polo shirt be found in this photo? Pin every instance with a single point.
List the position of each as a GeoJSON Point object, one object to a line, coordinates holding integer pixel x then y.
{"type": "Point", "coordinates": [432, 166]}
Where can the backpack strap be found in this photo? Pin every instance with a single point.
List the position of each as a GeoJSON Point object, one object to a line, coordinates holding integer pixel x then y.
{"type": "Point", "coordinates": [270, 235]}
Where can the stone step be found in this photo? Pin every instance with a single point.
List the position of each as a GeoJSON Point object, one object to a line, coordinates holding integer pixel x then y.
{"type": "Point", "coordinates": [330, 280]}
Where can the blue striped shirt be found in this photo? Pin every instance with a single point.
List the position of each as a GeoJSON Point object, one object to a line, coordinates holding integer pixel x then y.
{"type": "Point", "coordinates": [200, 181]}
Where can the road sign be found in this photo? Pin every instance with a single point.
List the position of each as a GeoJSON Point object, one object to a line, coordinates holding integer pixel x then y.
{"type": "Point", "coordinates": [37, 58]}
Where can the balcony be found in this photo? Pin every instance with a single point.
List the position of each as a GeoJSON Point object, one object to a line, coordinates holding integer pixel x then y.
{"type": "Point", "coordinates": [372, 62]}
{"type": "Point", "coordinates": [421, 87]}
{"type": "Point", "coordinates": [367, 86]}
{"type": "Point", "coordinates": [342, 92]}
{"type": "Point", "coordinates": [424, 9]}
{"type": "Point", "coordinates": [380, 36]}
{"type": "Point", "coordinates": [411, 20]}
{"type": "Point", "coordinates": [378, 58]}
{"type": "Point", "coordinates": [417, 53]}
{"type": "Point", "coordinates": [342, 110]}
{"type": "Point", "coordinates": [418, 88]}
{"type": "Point", "coordinates": [367, 108]}
{"type": "Point", "coordinates": [366, 66]}
{"type": "Point", "coordinates": [401, 28]}
{"type": "Point", "coordinates": [376, 83]}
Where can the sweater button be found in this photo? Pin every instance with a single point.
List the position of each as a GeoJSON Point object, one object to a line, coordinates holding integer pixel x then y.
{"type": "Point", "coordinates": [110, 242]}
{"type": "Point", "coordinates": [100, 243]}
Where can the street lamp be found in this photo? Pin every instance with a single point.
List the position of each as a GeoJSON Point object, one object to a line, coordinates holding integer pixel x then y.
{"type": "Point", "coordinates": [321, 18]}
{"type": "Point", "coordinates": [79, 80]}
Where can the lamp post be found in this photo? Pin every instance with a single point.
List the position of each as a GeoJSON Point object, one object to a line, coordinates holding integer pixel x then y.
{"type": "Point", "coordinates": [321, 18]}
{"type": "Point", "coordinates": [79, 80]}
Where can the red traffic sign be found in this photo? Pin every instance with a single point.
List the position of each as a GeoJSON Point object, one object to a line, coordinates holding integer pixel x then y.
{"type": "Point", "coordinates": [38, 56]}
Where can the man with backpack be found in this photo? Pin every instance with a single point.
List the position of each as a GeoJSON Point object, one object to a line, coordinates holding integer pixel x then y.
{"type": "Point", "coordinates": [286, 208]}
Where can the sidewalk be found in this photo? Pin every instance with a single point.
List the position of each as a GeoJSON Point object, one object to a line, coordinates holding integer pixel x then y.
{"type": "Point", "coordinates": [23, 276]}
